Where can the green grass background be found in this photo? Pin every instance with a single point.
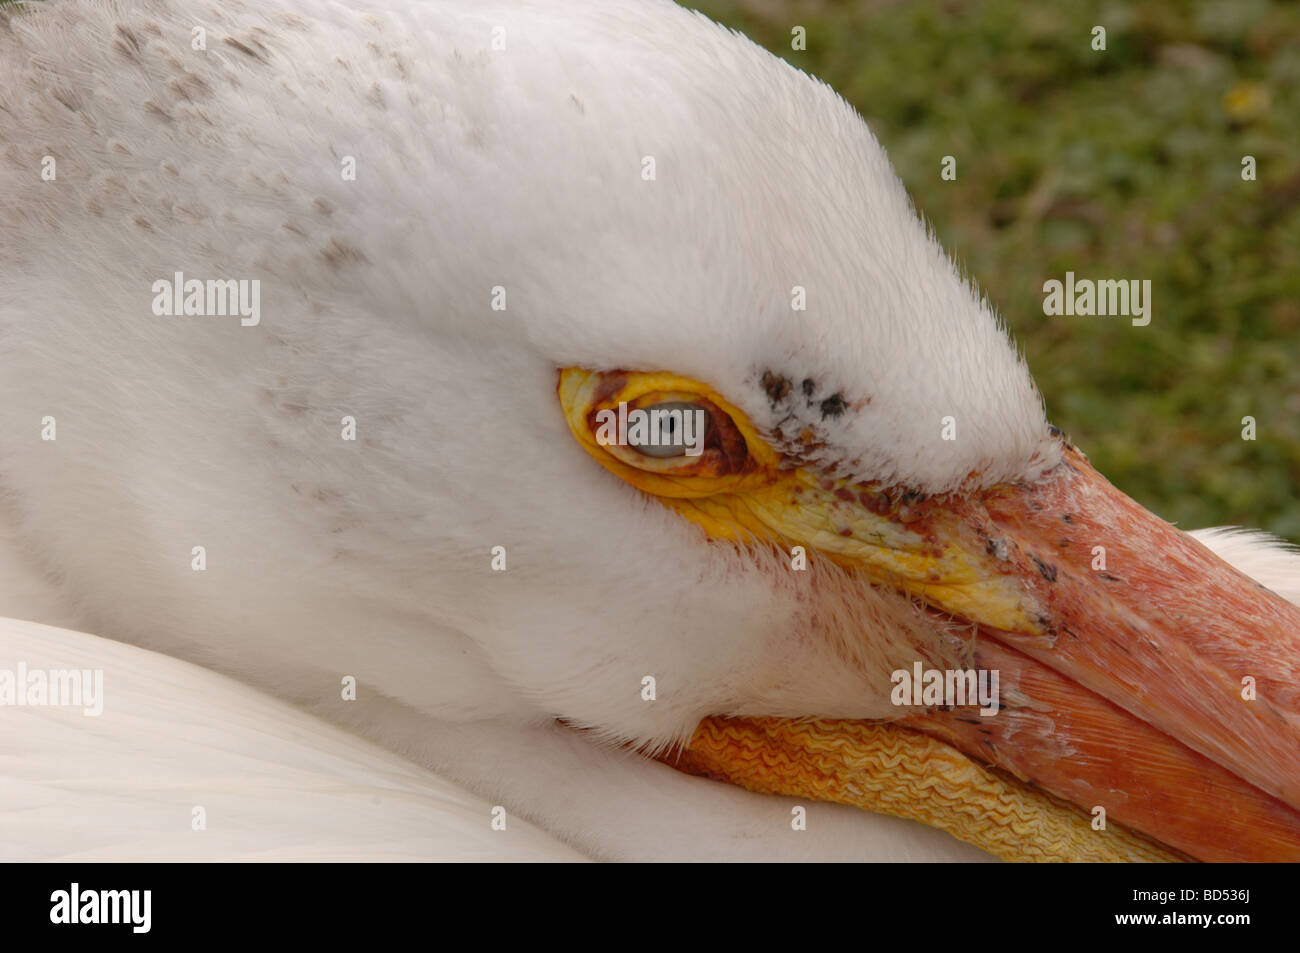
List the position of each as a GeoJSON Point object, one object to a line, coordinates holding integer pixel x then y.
{"type": "Point", "coordinates": [1122, 164]}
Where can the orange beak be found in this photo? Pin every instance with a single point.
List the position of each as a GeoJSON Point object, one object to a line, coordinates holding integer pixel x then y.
{"type": "Point", "coordinates": [1139, 673]}
{"type": "Point", "coordinates": [1160, 684]}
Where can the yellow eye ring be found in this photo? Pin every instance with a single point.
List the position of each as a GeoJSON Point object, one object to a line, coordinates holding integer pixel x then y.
{"type": "Point", "coordinates": [736, 455]}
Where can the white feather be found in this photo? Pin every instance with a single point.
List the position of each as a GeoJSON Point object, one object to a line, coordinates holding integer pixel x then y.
{"type": "Point", "coordinates": [273, 783]}
{"type": "Point", "coordinates": [1271, 562]}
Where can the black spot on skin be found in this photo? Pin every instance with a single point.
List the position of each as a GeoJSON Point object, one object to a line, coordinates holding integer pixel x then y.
{"type": "Point", "coordinates": [833, 406]}
{"type": "Point", "coordinates": [807, 386]}
{"type": "Point", "coordinates": [1068, 518]}
{"type": "Point", "coordinates": [996, 548]}
{"type": "Point", "coordinates": [1046, 570]}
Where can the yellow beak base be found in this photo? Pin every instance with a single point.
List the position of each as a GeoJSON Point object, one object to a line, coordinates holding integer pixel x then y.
{"type": "Point", "coordinates": [892, 770]}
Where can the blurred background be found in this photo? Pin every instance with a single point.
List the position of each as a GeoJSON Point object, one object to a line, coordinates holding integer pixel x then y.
{"type": "Point", "coordinates": [1117, 164]}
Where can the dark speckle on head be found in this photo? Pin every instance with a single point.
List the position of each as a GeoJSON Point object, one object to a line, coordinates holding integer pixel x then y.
{"type": "Point", "coordinates": [244, 48]}
{"type": "Point", "coordinates": [338, 252]}
{"type": "Point", "coordinates": [1059, 434]}
{"type": "Point", "coordinates": [833, 406]}
{"type": "Point", "coordinates": [776, 386]}
{"type": "Point", "coordinates": [807, 386]}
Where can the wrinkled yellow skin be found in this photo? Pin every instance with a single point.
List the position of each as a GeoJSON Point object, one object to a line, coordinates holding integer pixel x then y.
{"type": "Point", "coordinates": [891, 770]}
{"type": "Point", "coordinates": [877, 767]}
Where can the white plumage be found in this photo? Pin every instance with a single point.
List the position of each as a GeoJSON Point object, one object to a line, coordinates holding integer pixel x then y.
{"type": "Point", "coordinates": [497, 145]}
{"type": "Point", "coordinates": [185, 764]}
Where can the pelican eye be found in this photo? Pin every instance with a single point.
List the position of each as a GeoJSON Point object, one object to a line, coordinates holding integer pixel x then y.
{"type": "Point", "coordinates": [672, 428]}
{"type": "Point", "coordinates": [669, 432]}
{"type": "Point", "coordinates": [665, 434]}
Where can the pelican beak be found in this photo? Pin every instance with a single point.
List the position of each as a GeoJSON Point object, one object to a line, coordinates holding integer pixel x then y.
{"type": "Point", "coordinates": [1161, 677]}
{"type": "Point", "coordinates": [1149, 694]}
{"type": "Point", "coordinates": [1142, 679]}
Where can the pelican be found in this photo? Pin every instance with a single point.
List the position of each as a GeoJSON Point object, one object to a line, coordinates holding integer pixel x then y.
{"type": "Point", "coordinates": [319, 327]}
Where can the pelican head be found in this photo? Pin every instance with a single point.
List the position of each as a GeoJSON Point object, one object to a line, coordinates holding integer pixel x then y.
{"type": "Point", "coordinates": [562, 216]}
